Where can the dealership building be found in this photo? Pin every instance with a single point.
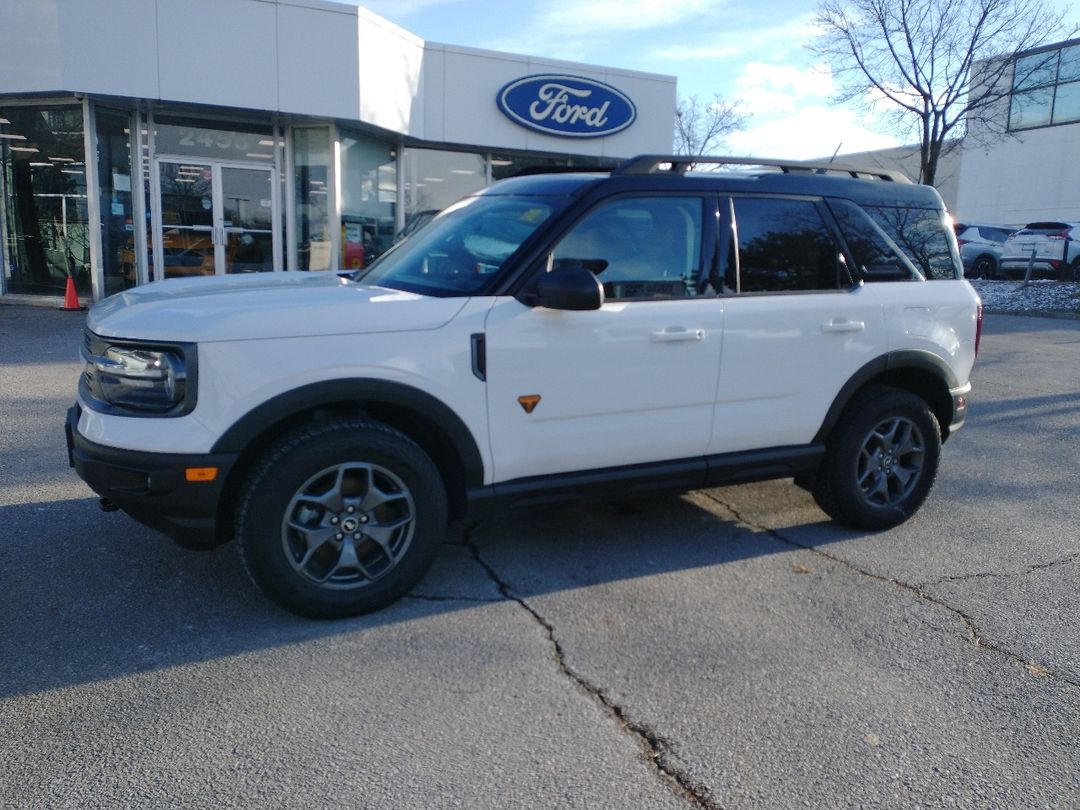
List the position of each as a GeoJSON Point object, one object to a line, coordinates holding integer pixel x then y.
{"type": "Point", "coordinates": [149, 139]}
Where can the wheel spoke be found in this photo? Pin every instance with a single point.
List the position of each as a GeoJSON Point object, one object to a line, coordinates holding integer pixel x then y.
{"type": "Point", "coordinates": [348, 493]}
{"type": "Point", "coordinates": [383, 533]}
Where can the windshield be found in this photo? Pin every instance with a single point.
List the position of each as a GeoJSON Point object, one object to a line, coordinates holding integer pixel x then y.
{"type": "Point", "coordinates": [459, 251]}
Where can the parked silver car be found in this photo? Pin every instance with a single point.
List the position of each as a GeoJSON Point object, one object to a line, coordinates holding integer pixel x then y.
{"type": "Point", "coordinates": [1054, 245]}
{"type": "Point", "coordinates": [980, 248]}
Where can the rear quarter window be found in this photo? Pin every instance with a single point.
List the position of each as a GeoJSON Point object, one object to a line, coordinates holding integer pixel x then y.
{"type": "Point", "coordinates": [920, 233]}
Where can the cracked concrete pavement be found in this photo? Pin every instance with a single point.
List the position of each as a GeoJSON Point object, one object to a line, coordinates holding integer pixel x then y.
{"type": "Point", "coordinates": [726, 648]}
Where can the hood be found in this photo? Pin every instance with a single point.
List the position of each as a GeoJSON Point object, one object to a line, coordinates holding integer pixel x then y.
{"type": "Point", "coordinates": [264, 305]}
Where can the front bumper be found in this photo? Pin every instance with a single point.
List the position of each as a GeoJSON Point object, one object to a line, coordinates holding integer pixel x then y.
{"type": "Point", "coordinates": [152, 487]}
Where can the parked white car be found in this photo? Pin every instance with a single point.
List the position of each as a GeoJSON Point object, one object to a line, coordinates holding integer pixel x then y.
{"type": "Point", "coordinates": [980, 248]}
{"type": "Point", "coordinates": [1055, 247]}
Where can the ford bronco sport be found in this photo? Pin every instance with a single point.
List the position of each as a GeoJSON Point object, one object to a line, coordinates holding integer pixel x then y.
{"type": "Point", "coordinates": [552, 336]}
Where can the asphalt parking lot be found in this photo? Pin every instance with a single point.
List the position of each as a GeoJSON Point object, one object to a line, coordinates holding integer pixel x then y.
{"type": "Point", "coordinates": [727, 648]}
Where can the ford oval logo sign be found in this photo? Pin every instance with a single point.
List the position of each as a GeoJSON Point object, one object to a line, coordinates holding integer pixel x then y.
{"type": "Point", "coordinates": [568, 106]}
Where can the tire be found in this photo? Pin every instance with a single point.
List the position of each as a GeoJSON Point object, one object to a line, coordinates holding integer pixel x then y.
{"type": "Point", "coordinates": [1072, 271]}
{"type": "Point", "coordinates": [880, 461]}
{"type": "Point", "coordinates": [984, 266]}
{"type": "Point", "coordinates": [341, 517]}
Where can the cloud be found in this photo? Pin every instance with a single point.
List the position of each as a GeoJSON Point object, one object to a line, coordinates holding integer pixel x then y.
{"type": "Point", "coordinates": [765, 89]}
{"type": "Point", "coordinates": [591, 16]}
{"type": "Point", "coordinates": [812, 131]}
{"type": "Point", "coordinates": [574, 29]}
{"type": "Point", "coordinates": [737, 39]}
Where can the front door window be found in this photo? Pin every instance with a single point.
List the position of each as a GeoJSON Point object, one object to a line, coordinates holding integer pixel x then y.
{"type": "Point", "coordinates": [215, 218]}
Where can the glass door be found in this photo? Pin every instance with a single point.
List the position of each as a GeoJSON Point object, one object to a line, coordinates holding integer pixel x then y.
{"type": "Point", "coordinates": [187, 219]}
{"type": "Point", "coordinates": [247, 201]}
{"type": "Point", "coordinates": [216, 218]}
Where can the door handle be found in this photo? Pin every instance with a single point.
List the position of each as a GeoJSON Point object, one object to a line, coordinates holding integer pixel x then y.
{"type": "Point", "coordinates": [842, 325]}
{"type": "Point", "coordinates": [674, 335]}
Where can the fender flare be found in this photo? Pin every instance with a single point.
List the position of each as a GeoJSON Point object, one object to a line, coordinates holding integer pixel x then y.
{"type": "Point", "coordinates": [892, 361]}
{"type": "Point", "coordinates": [335, 392]}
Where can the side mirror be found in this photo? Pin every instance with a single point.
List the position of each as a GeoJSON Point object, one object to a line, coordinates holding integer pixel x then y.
{"type": "Point", "coordinates": [574, 288]}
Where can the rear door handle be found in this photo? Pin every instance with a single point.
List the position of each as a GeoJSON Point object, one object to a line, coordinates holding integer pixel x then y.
{"type": "Point", "coordinates": [674, 335]}
{"type": "Point", "coordinates": [843, 325]}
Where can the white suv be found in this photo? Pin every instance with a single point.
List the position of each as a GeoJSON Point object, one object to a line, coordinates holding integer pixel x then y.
{"type": "Point", "coordinates": [552, 336]}
{"type": "Point", "coordinates": [1050, 249]}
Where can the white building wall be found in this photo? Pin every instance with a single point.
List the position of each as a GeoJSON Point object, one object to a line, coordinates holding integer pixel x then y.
{"type": "Point", "coordinates": [1028, 176]}
{"type": "Point", "coordinates": [304, 57]}
{"type": "Point", "coordinates": [1020, 177]}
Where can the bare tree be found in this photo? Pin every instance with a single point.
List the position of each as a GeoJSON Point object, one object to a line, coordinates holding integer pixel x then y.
{"type": "Point", "coordinates": [701, 126]}
{"type": "Point", "coordinates": [937, 64]}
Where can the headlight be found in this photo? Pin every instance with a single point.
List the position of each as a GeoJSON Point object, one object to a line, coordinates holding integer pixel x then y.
{"type": "Point", "coordinates": [131, 378]}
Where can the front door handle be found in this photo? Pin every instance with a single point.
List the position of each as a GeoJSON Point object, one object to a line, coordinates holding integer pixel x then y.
{"type": "Point", "coordinates": [842, 325]}
{"type": "Point", "coordinates": [676, 334]}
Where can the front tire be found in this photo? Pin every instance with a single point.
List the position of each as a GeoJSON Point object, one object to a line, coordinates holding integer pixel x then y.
{"type": "Point", "coordinates": [880, 461]}
{"type": "Point", "coordinates": [341, 517]}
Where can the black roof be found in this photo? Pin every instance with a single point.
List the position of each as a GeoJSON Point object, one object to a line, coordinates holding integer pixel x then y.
{"type": "Point", "coordinates": [868, 187]}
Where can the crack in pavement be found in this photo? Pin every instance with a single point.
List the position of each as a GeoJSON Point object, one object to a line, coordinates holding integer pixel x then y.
{"type": "Point", "coordinates": [440, 597]}
{"type": "Point", "coordinates": [1031, 569]}
{"type": "Point", "coordinates": [1032, 667]}
{"type": "Point", "coordinates": [657, 748]}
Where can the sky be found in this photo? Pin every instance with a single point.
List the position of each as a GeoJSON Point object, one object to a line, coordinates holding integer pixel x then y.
{"type": "Point", "coordinates": [751, 53]}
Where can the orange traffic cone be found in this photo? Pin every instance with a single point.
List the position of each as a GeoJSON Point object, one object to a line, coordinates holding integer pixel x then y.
{"type": "Point", "coordinates": [71, 298]}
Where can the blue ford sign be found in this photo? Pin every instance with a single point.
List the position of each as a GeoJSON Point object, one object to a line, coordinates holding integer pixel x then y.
{"type": "Point", "coordinates": [569, 106]}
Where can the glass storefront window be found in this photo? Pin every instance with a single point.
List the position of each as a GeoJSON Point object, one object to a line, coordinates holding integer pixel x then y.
{"type": "Point", "coordinates": [1067, 103]}
{"type": "Point", "coordinates": [1031, 109]}
{"type": "Point", "coordinates": [311, 156]}
{"type": "Point", "coordinates": [115, 189]}
{"type": "Point", "coordinates": [503, 166]}
{"type": "Point", "coordinates": [43, 197]}
{"type": "Point", "coordinates": [220, 141]}
{"type": "Point", "coordinates": [368, 199]}
{"type": "Point", "coordinates": [435, 178]}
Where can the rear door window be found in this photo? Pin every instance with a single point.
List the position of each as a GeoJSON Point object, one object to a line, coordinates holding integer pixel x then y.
{"type": "Point", "coordinates": [783, 245]}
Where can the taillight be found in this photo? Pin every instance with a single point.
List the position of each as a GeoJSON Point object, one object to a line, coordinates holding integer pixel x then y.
{"type": "Point", "coordinates": [962, 242]}
{"type": "Point", "coordinates": [1059, 235]}
{"type": "Point", "coordinates": [978, 328]}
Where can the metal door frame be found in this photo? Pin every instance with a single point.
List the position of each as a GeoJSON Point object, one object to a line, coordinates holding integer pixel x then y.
{"type": "Point", "coordinates": [218, 228]}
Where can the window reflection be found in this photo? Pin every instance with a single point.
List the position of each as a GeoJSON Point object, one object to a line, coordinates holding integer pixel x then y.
{"type": "Point", "coordinates": [43, 186]}
{"type": "Point", "coordinates": [368, 199]}
{"type": "Point", "coordinates": [116, 206]}
{"type": "Point", "coordinates": [920, 233]}
{"type": "Point", "coordinates": [311, 148]}
{"type": "Point", "coordinates": [784, 246]}
{"type": "Point", "coordinates": [435, 178]}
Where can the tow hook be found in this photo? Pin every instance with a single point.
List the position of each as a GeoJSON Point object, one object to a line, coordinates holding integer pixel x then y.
{"type": "Point", "coordinates": [107, 505]}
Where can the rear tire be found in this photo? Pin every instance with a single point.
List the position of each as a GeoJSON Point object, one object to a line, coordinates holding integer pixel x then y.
{"type": "Point", "coordinates": [984, 267]}
{"type": "Point", "coordinates": [341, 517]}
{"type": "Point", "coordinates": [880, 461]}
{"type": "Point", "coordinates": [1071, 272]}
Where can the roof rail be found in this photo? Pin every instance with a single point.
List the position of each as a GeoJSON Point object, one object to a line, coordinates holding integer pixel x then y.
{"type": "Point", "coordinates": [680, 164]}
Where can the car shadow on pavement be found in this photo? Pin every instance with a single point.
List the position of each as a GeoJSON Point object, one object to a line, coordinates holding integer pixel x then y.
{"type": "Point", "coordinates": [87, 596]}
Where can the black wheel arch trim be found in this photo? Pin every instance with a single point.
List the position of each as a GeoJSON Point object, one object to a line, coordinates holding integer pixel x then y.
{"type": "Point", "coordinates": [335, 392]}
{"type": "Point", "coordinates": [893, 361]}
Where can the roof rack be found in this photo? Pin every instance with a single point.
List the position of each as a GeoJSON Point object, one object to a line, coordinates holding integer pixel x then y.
{"type": "Point", "coordinates": [680, 164]}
